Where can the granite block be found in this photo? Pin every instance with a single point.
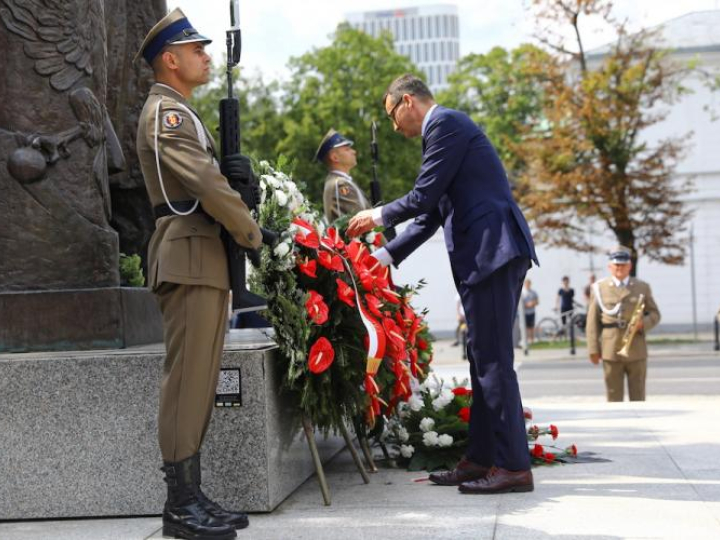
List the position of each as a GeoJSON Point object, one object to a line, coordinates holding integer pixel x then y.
{"type": "Point", "coordinates": [79, 435]}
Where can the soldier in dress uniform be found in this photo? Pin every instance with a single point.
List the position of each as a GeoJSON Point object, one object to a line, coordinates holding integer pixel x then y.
{"type": "Point", "coordinates": [341, 195]}
{"type": "Point", "coordinates": [187, 265]}
{"type": "Point", "coordinates": [612, 304]}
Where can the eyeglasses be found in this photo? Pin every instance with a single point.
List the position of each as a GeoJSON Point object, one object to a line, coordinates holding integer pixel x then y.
{"type": "Point", "coordinates": [391, 114]}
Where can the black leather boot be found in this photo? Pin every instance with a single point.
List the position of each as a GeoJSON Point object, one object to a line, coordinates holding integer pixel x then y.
{"type": "Point", "coordinates": [184, 516]}
{"type": "Point", "coordinates": [239, 520]}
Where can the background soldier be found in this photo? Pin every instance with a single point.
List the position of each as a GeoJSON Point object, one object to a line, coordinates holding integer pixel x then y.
{"type": "Point", "coordinates": [187, 265]}
{"type": "Point", "coordinates": [341, 195]}
{"type": "Point", "coordinates": [611, 307]}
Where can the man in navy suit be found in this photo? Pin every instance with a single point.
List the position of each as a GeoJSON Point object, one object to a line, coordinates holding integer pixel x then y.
{"type": "Point", "coordinates": [462, 187]}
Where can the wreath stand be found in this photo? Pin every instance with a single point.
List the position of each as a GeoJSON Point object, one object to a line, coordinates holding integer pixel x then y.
{"type": "Point", "coordinates": [322, 480]}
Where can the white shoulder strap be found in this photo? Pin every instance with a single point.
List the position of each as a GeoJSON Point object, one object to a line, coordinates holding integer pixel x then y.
{"type": "Point", "coordinates": [612, 312]}
{"type": "Point", "coordinates": [203, 141]}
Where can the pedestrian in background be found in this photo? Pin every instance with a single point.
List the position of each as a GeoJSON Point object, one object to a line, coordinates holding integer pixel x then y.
{"type": "Point", "coordinates": [565, 300]}
{"type": "Point", "coordinates": [530, 300]}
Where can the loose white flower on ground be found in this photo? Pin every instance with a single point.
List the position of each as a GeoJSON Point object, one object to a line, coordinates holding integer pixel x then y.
{"type": "Point", "coordinates": [403, 434]}
{"type": "Point", "coordinates": [445, 440]}
{"type": "Point", "coordinates": [430, 438]}
{"type": "Point", "coordinates": [407, 450]}
{"type": "Point", "coordinates": [282, 199]}
{"type": "Point", "coordinates": [415, 403]}
{"type": "Point", "coordinates": [426, 424]}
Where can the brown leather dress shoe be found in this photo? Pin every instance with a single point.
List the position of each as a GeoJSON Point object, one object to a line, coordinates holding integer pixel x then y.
{"type": "Point", "coordinates": [500, 481]}
{"type": "Point", "coordinates": [464, 471]}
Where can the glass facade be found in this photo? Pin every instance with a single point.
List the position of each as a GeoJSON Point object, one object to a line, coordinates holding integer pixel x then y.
{"type": "Point", "coordinates": [428, 35]}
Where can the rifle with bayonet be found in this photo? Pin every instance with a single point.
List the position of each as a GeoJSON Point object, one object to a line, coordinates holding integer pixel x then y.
{"type": "Point", "coordinates": [238, 170]}
{"type": "Point", "coordinates": [375, 191]}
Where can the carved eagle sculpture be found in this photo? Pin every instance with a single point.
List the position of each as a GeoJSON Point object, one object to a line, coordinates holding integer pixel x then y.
{"type": "Point", "coordinates": [59, 35]}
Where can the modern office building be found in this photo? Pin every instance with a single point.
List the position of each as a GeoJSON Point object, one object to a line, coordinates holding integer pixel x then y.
{"type": "Point", "coordinates": [428, 35]}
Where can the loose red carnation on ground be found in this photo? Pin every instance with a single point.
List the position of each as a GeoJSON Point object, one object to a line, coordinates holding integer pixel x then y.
{"type": "Point", "coordinates": [538, 451]}
{"type": "Point", "coordinates": [549, 457]}
{"type": "Point", "coordinates": [554, 431]}
{"type": "Point", "coordinates": [527, 413]}
{"type": "Point", "coordinates": [572, 450]}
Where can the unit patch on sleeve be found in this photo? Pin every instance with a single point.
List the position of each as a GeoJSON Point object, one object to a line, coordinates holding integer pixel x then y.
{"type": "Point", "coordinates": [172, 120]}
{"type": "Point", "coordinates": [344, 191]}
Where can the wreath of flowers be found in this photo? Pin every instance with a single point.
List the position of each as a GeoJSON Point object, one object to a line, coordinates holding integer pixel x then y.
{"type": "Point", "coordinates": [350, 341]}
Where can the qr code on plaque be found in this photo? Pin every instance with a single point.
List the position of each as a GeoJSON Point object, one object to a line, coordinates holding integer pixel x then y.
{"type": "Point", "coordinates": [228, 382]}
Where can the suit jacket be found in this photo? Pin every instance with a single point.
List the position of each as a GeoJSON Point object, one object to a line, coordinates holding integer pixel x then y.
{"type": "Point", "coordinates": [342, 196]}
{"type": "Point", "coordinates": [188, 249]}
{"type": "Point", "coordinates": [462, 186]}
{"type": "Point", "coordinates": [607, 341]}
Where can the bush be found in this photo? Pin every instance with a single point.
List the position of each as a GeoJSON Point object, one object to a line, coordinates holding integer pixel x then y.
{"type": "Point", "coordinates": [131, 274]}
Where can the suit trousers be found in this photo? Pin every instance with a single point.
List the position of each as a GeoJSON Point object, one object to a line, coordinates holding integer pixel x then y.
{"type": "Point", "coordinates": [194, 324]}
{"type": "Point", "coordinates": [615, 373]}
{"type": "Point", "coordinates": [497, 433]}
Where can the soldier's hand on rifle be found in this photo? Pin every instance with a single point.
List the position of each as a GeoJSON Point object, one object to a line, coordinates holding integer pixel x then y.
{"type": "Point", "coordinates": [237, 168]}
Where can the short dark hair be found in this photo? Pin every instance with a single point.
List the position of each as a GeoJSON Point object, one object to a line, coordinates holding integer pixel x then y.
{"type": "Point", "coordinates": [407, 84]}
{"type": "Point", "coordinates": [565, 278]}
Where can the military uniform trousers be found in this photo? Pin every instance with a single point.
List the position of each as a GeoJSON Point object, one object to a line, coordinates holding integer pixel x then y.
{"type": "Point", "coordinates": [497, 425]}
{"type": "Point", "coordinates": [194, 323]}
{"type": "Point", "coordinates": [615, 373]}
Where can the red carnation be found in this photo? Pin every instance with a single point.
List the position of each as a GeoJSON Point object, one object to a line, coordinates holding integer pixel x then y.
{"type": "Point", "coordinates": [549, 457]}
{"type": "Point", "coordinates": [554, 431]}
{"type": "Point", "coordinates": [321, 356]}
{"type": "Point", "coordinates": [464, 414]}
{"type": "Point", "coordinates": [309, 268]}
{"type": "Point", "coordinates": [538, 451]}
{"type": "Point", "coordinates": [345, 292]}
{"type": "Point", "coordinates": [527, 413]}
{"type": "Point", "coordinates": [571, 450]}
{"type": "Point", "coordinates": [461, 391]}
{"type": "Point", "coordinates": [316, 308]}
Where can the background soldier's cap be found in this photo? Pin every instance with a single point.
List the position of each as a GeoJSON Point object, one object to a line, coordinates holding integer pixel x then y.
{"type": "Point", "coordinates": [332, 139]}
{"type": "Point", "coordinates": [173, 28]}
{"type": "Point", "coordinates": [619, 255]}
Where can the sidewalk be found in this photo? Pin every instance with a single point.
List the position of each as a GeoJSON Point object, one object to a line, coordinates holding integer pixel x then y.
{"type": "Point", "coordinates": [662, 480]}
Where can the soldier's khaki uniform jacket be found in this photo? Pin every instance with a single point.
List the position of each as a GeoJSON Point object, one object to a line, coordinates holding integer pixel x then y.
{"type": "Point", "coordinates": [341, 196]}
{"type": "Point", "coordinates": [607, 341]}
{"type": "Point", "coordinates": [188, 249]}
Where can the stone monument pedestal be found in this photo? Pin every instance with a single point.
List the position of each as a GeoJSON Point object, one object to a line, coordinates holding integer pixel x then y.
{"type": "Point", "coordinates": [78, 433]}
{"type": "Point", "coordinates": [78, 319]}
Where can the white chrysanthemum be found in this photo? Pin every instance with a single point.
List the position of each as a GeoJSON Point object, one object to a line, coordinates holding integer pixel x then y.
{"type": "Point", "coordinates": [282, 249]}
{"type": "Point", "coordinates": [443, 400]}
{"type": "Point", "coordinates": [426, 424]}
{"type": "Point", "coordinates": [407, 450]}
{"type": "Point", "coordinates": [445, 440]}
{"type": "Point", "coordinates": [430, 438]}
{"type": "Point", "coordinates": [281, 197]}
{"type": "Point", "coordinates": [403, 434]}
{"type": "Point", "coordinates": [272, 181]}
{"type": "Point", "coordinates": [370, 237]}
{"type": "Point", "coordinates": [415, 403]}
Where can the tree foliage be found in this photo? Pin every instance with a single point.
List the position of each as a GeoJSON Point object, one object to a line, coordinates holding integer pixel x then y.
{"type": "Point", "coordinates": [590, 157]}
{"type": "Point", "coordinates": [502, 92]}
{"type": "Point", "coordinates": [341, 86]}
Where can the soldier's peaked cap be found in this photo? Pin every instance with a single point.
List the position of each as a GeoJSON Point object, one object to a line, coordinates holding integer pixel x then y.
{"type": "Point", "coordinates": [332, 139]}
{"type": "Point", "coordinates": [620, 255]}
{"type": "Point", "coordinates": [172, 29]}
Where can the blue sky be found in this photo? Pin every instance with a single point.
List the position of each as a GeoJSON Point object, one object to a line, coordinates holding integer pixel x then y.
{"type": "Point", "coordinates": [275, 30]}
